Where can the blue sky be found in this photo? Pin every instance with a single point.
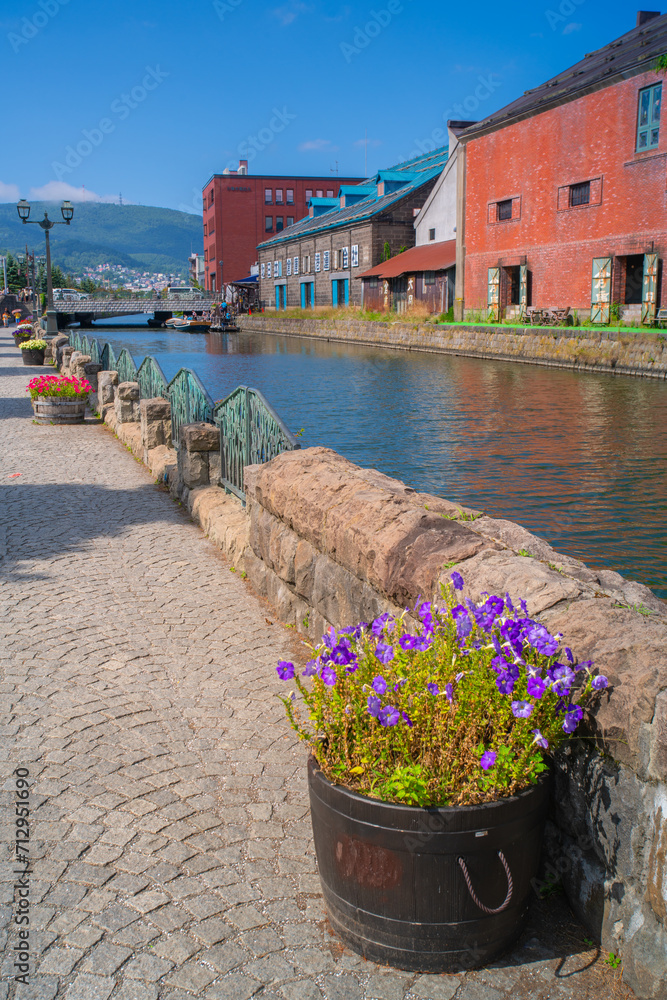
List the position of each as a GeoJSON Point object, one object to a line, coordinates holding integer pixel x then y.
{"type": "Point", "coordinates": [149, 98]}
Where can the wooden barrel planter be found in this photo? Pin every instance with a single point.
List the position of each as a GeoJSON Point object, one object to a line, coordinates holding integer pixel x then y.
{"type": "Point", "coordinates": [50, 410]}
{"type": "Point", "coordinates": [33, 357]}
{"type": "Point", "coordinates": [428, 890]}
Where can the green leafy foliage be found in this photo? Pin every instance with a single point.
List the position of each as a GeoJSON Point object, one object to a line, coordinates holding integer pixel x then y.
{"type": "Point", "coordinates": [456, 709]}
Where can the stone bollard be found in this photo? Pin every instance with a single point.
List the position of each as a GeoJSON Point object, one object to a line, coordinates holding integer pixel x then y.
{"type": "Point", "coordinates": [199, 455]}
{"type": "Point", "coordinates": [64, 355]}
{"type": "Point", "coordinates": [126, 402]}
{"type": "Point", "coordinates": [90, 372]}
{"type": "Point", "coordinates": [77, 363]}
{"type": "Point", "coordinates": [57, 344]}
{"type": "Point", "coordinates": [106, 390]}
{"type": "Point", "coordinates": [155, 419]}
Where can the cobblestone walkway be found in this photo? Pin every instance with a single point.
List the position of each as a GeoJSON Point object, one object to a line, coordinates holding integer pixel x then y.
{"type": "Point", "coordinates": [169, 825]}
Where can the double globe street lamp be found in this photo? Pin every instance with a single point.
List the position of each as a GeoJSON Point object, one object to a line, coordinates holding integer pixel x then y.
{"type": "Point", "coordinates": [67, 210]}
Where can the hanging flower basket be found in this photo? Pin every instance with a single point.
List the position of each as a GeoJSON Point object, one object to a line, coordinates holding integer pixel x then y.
{"type": "Point", "coordinates": [428, 778]}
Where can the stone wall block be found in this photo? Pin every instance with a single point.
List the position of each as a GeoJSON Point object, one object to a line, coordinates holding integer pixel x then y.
{"type": "Point", "coordinates": [126, 402]}
{"type": "Point", "coordinates": [91, 370]}
{"type": "Point", "coordinates": [282, 549]}
{"type": "Point", "coordinates": [214, 467]}
{"type": "Point", "coordinates": [64, 354]}
{"type": "Point", "coordinates": [106, 387]}
{"type": "Point", "coordinates": [78, 362]}
{"type": "Point", "coordinates": [305, 558]}
{"type": "Point", "coordinates": [261, 523]}
{"type": "Point", "coordinates": [257, 571]}
{"type": "Point", "coordinates": [200, 437]}
{"type": "Point", "coordinates": [154, 417]}
{"type": "Point", "coordinates": [658, 743]}
{"type": "Point", "coordinates": [192, 468]}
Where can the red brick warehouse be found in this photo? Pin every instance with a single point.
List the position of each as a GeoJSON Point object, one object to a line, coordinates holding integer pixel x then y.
{"type": "Point", "coordinates": [565, 198]}
{"type": "Point", "coordinates": [242, 210]}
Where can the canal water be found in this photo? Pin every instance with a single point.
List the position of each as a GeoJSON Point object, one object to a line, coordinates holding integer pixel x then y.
{"type": "Point", "coordinates": [579, 459]}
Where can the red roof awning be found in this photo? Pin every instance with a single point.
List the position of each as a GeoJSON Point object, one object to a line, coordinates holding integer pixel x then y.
{"type": "Point", "coordinates": [429, 257]}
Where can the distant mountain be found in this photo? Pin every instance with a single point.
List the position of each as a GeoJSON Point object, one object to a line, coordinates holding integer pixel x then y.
{"type": "Point", "coordinates": [150, 239]}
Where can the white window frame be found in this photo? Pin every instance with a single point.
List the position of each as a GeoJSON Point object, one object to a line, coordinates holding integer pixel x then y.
{"type": "Point", "coordinates": [355, 255]}
{"type": "Point", "coordinates": [318, 262]}
{"type": "Point", "coordinates": [268, 268]}
{"type": "Point", "coordinates": [345, 252]}
{"type": "Point", "coordinates": [263, 270]}
{"type": "Point", "coordinates": [278, 269]}
{"type": "Point", "coordinates": [296, 265]}
{"type": "Point", "coordinates": [288, 267]}
{"type": "Point", "coordinates": [326, 262]}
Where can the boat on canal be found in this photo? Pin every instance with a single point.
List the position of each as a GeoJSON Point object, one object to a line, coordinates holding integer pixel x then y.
{"type": "Point", "coordinates": [194, 324]}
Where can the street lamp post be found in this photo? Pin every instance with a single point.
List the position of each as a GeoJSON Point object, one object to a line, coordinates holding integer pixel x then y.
{"type": "Point", "coordinates": [67, 210]}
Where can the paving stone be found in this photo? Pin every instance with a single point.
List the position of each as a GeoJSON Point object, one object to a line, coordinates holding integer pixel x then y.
{"type": "Point", "coordinates": [345, 987]}
{"type": "Point", "coordinates": [225, 957]}
{"type": "Point", "coordinates": [312, 960]}
{"type": "Point", "coordinates": [245, 917]}
{"type": "Point", "coordinates": [177, 948]}
{"type": "Point", "coordinates": [271, 969]}
{"type": "Point", "coordinates": [105, 959]}
{"type": "Point", "coordinates": [148, 967]}
{"type": "Point", "coordinates": [169, 918]}
{"type": "Point", "coordinates": [135, 935]}
{"type": "Point", "coordinates": [261, 941]}
{"type": "Point", "coordinates": [147, 901]}
{"type": "Point", "coordinates": [83, 937]}
{"type": "Point", "coordinates": [212, 931]}
{"type": "Point", "coordinates": [192, 976]}
{"type": "Point", "coordinates": [137, 991]}
{"type": "Point", "coordinates": [60, 961]}
{"type": "Point", "coordinates": [236, 986]}
{"type": "Point", "coordinates": [435, 987]}
{"type": "Point", "coordinates": [90, 988]}
{"type": "Point", "coordinates": [301, 989]}
{"type": "Point", "coordinates": [476, 991]}
{"type": "Point", "coordinates": [115, 917]}
{"type": "Point", "coordinates": [39, 988]}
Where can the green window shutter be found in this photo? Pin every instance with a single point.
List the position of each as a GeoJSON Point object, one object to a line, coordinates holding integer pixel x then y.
{"type": "Point", "coordinates": [649, 287]}
{"type": "Point", "coordinates": [493, 293]}
{"type": "Point", "coordinates": [601, 290]}
{"type": "Point", "coordinates": [523, 290]}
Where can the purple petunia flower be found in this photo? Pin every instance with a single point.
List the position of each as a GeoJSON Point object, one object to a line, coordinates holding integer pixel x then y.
{"type": "Point", "coordinates": [573, 717]}
{"type": "Point", "coordinates": [374, 705]}
{"type": "Point", "coordinates": [449, 692]}
{"type": "Point", "coordinates": [311, 668]}
{"type": "Point", "coordinates": [541, 741]}
{"type": "Point", "coordinates": [569, 654]}
{"type": "Point", "coordinates": [424, 609]}
{"type": "Point", "coordinates": [562, 677]}
{"type": "Point", "coordinates": [433, 689]}
{"type": "Point", "coordinates": [459, 676]}
{"type": "Point", "coordinates": [463, 626]}
{"type": "Point", "coordinates": [423, 642]}
{"type": "Point", "coordinates": [407, 719]}
{"type": "Point", "coordinates": [399, 684]}
{"type": "Point", "coordinates": [522, 709]}
{"type": "Point", "coordinates": [508, 604]}
{"type": "Point", "coordinates": [329, 676]}
{"type": "Point", "coordinates": [536, 687]}
{"type": "Point", "coordinates": [379, 685]}
{"type": "Point", "coordinates": [487, 759]}
{"type": "Point", "coordinates": [457, 581]}
{"type": "Point", "coordinates": [408, 641]}
{"type": "Point", "coordinates": [505, 682]}
{"type": "Point", "coordinates": [388, 716]}
{"type": "Point", "coordinates": [378, 626]}
{"type": "Point", "coordinates": [600, 683]}
{"type": "Point", "coordinates": [342, 653]}
{"type": "Point", "coordinates": [285, 670]}
{"type": "Point", "coordinates": [384, 652]}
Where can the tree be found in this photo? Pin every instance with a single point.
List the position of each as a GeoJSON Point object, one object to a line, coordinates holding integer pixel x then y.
{"type": "Point", "coordinates": [57, 277]}
{"type": "Point", "coordinates": [386, 253]}
{"type": "Point", "coordinates": [15, 275]}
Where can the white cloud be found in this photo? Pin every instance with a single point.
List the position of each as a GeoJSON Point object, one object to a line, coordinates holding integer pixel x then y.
{"type": "Point", "coordinates": [371, 143]}
{"type": "Point", "coordinates": [317, 146]}
{"type": "Point", "coordinates": [574, 26]}
{"type": "Point", "coordinates": [290, 11]}
{"type": "Point", "coordinates": [9, 192]}
{"type": "Point", "coordinates": [59, 190]}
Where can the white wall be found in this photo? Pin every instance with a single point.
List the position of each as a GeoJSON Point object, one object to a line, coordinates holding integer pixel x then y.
{"type": "Point", "coordinates": [439, 212]}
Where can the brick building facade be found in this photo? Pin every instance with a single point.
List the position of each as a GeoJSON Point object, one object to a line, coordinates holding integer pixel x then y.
{"type": "Point", "coordinates": [240, 210]}
{"type": "Point", "coordinates": [565, 197]}
{"type": "Point", "coordinates": [320, 260]}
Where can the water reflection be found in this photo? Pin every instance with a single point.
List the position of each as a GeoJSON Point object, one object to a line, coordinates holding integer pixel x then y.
{"type": "Point", "coordinates": [579, 459]}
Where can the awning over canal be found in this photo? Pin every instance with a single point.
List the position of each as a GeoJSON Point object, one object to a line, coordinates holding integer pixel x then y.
{"type": "Point", "coordinates": [429, 257]}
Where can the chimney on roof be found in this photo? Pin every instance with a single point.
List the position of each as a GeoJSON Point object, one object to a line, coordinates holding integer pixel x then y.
{"type": "Point", "coordinates": [646, 15]}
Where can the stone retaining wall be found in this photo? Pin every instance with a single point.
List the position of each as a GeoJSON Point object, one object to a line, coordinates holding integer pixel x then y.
{"type": "Point", "coordinates": [582, 349]}
{"type": "Point", "coordinates": [327, 542]}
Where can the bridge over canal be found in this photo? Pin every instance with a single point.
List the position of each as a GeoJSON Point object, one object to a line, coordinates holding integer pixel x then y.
{"type": "Point", "coordinates": [84, 311]}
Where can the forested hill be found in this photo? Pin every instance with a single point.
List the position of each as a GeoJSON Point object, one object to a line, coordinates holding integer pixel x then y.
{"type": "Point", "coordinates": [151, 239]}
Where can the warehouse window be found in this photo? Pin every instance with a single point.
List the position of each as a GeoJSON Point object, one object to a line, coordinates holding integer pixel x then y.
{"type": "Point", "coordinates": [290, 220]}
{"type": "Point", "coordinates": [648, 117]}
{"type": "Point", "coordinates": [268, 196]}
{"type": "Point", "coordinates": [429, 277]}
{"type": "Point", "coordinates": [504, 209]}
{"type": "Point", "coordinates": [580, 194]}
{"type": "Point", "coordinates": [280, 223]}
{"type": "Point", "coordinates": [279, 196]}
{"type": "Point", "coordinates": [431, 234]}
{"type": "Point", "coordinates": [268, 224]}
{"type": "Point", "coordinates": [290, 196]}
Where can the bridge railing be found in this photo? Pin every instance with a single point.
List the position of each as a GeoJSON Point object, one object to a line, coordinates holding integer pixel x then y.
{"type": "Point", "coordinates": [251, 432]}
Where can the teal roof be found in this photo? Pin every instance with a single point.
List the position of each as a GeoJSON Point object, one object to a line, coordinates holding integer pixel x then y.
{"type": "Point", "coordinates": [417, 172]}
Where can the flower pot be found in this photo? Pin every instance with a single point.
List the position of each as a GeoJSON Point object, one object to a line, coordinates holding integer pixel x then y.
{"type": "Point", "coordinates": [20, 340]}
{"type": "Point", "coordinates": [428, 890]}
{"type": "Point", "coordinates": [51, 410]}
{"type": "Point", "coordinates": [33, 356]}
